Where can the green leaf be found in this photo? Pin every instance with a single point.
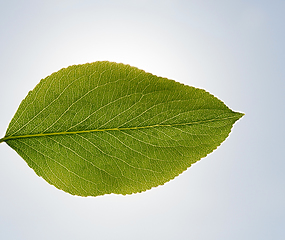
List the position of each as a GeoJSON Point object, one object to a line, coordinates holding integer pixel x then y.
{"type": "Point", "coordinates": [103, 127]}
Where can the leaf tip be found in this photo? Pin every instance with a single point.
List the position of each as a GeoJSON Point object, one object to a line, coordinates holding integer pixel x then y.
{"type": "Point", "coordinates": [240, 115]}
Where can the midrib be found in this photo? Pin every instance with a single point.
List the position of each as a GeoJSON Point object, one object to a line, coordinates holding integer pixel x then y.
{"type": "Point", "coordinates": [112, 129]}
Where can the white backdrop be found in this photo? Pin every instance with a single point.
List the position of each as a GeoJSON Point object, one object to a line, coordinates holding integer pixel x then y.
{"type": "Point", "coordinates": [233, 49]}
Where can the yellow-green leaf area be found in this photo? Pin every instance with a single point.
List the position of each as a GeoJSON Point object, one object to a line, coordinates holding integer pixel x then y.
{"type": "Point", "coordinates": [104, 127]}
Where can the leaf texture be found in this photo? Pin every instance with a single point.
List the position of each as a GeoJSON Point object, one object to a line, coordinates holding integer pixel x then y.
{"type": "Point", "coordinates": [104, 127]}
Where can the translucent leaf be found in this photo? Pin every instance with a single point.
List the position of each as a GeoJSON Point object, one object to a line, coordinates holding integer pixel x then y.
{"type": "Point", "coordinates": [103, 127]}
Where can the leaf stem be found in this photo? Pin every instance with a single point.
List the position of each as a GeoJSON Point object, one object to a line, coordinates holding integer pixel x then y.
{"type": "Point", "coordinates": [2, 140]}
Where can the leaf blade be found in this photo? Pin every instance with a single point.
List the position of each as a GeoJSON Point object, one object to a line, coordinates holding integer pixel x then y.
{"type": "Point", "coordinates": [110, 128]}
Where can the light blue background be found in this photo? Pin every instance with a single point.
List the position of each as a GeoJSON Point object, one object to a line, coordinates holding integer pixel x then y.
{"type": "Point", "coordinates": [234, 49]}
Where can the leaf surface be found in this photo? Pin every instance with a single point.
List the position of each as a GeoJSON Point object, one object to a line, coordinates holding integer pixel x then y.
{"type": "Point", "coordinates": [103, 127]}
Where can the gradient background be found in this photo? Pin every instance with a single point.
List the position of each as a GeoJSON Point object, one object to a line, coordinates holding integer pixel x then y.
{"type": "Point", "coordinates": [234, 49]}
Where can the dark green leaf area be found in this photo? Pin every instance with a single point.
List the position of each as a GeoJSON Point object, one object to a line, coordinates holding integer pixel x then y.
{"type": "Point", "coordinates": [104, 128]}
